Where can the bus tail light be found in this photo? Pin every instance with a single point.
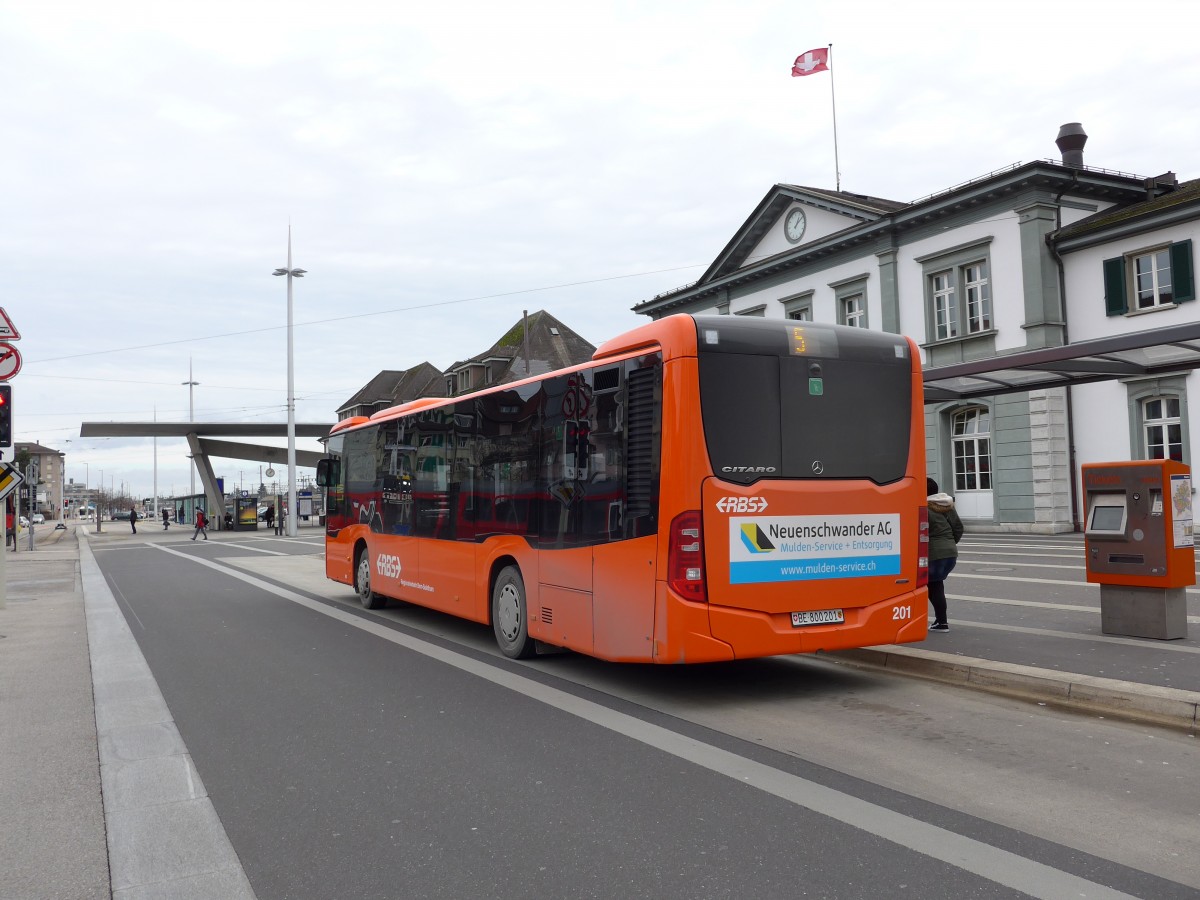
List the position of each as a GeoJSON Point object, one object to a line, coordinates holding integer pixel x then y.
{"type": "Point", "coordinates": [685, 557]}
{"type": "Point", "coordinates": [923, 547]}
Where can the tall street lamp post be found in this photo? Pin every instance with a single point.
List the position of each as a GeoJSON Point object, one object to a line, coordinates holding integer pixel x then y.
{"type": "Point", "coordinates": [291, 393]}
{"type": "Point", "coordinates": [190, 384]}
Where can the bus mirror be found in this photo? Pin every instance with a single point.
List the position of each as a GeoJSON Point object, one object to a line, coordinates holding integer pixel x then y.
{"type": "Point", "coordinates": [327, 473]}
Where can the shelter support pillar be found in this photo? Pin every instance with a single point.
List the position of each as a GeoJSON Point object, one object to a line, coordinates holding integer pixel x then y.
{"type": "Point", "coordinates": [215, 502]}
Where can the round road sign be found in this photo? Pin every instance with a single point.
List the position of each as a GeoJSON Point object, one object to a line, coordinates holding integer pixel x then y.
{"type": "Point", "coordinates": [10, 361]}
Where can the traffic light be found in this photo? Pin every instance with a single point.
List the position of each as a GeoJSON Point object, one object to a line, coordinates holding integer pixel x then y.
{"type": "Point", "coordinates": [5, 415]}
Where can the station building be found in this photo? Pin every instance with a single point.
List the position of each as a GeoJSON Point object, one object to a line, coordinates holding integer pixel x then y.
{"type": "Point", "coordinates": [1036, 255]}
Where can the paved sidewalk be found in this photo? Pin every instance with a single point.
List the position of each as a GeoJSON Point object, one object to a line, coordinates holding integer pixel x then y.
{"type": "Point", "coordinates": [98, 795]}
{"type": "Point", "coordinates": [93, 774]}
{"type": "Point", "coordinates": [51, 809]}
{"type": "Point", "coordinates": [1041, 638]}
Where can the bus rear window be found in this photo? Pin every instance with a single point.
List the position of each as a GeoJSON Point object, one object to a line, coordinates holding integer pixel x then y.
{"type": "Point", "coordinates": [770, 412]}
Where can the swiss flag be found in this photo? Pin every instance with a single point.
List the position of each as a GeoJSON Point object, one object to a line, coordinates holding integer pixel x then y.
{"type": "Point", "coordinates": [811, 61]}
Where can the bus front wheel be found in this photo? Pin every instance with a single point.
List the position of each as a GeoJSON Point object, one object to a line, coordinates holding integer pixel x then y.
{"type": "Point", "coordinates": [509, 616]}
{"type": "Point", "coordinates": [362, 583]}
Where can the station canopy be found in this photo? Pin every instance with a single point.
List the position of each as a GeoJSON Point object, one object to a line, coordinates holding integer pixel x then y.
{"type": "Point", "coordinates": [1157, 351]}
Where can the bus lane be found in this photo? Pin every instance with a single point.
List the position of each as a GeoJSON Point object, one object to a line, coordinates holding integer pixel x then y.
{"type": "Point", "coordinates": [1002, 764]}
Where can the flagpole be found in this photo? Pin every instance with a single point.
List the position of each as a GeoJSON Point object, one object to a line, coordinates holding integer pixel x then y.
{"type": "Point", "coordinates": [837, 169]}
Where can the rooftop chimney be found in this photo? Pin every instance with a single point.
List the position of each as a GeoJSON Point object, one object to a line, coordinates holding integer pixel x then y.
{"type": "Point", "coordinates": [1070, 140]}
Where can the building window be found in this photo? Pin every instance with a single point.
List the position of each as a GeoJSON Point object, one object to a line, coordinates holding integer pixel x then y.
{"type": "Point", "coordinates": [1149, 279]}
{"type": "Point", "coordinates": [850, 301]}
{"type": "Point", "coordinates": [853, 313]}
{"type": "Point", "coordinates": [958, 292]}
{"type": "Point", "coordinates": [799, 307]}
{"type": "Point", "coordinates": [1152, 279]}
{"type": "Point", "coordinates": [945, 311]}
{"type": "Point", "coordinates": [760, 310]}
{"type": "Point", "coordinates": [1162, 428]}
{"type": "Point", "coordinates": [972, 304]}
{"type": "Point", "coordinates": [971, 434]}
{"type": "Point", "coordinates": [979, 301]}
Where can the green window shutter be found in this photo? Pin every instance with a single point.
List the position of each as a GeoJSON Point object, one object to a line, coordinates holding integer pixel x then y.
{"type": "Point", "coordinates": [1182, 281]}
{"type": "Point", "coordinates": [1114, 286]}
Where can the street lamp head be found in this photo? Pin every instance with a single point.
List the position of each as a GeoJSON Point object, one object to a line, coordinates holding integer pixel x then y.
{"type": "Point", "coordinates": [280, 272]}
{"type": "Point", "coordinates": [299, 273]}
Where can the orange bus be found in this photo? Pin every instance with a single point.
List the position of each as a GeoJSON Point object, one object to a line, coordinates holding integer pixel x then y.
{"type": "Point", "coordinates": [705, 488]}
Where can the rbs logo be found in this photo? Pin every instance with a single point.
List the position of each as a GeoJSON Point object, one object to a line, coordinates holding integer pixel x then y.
{"type": "Point", "coordinates": [387, 565]}
{"type": "Point", "coordinates": [742, 504]}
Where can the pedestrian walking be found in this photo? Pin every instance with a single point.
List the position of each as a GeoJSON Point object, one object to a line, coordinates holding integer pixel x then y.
{"type": "Point", "coordinates": [201, 525]}
{"type": "Point", "coordinates": [269, 516]}
{"type": "Point", "coordinates": [945, 531]}
{"type": "Point", "coordinates": [166, 518]}
{"type": "Point", "coordinates": [133, 517]}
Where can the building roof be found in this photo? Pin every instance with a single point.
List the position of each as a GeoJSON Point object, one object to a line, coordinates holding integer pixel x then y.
{"type": "Point", "coordinates": [873, 222]}
{"type": "Point", "coordinates": [33, 449]}
{"type": "Point", "coordinates": [423, 380]}
{"type": "Point", "coordinates": [549, 343]}
{"type": "Point", "coordinates": [1180, 200]}
{"type": "Point", "coordinates": [378, 388]}
{"type": "Point", "coordinates": [859, 201]}
{"type": "Point", "coordinates": [393, 386]}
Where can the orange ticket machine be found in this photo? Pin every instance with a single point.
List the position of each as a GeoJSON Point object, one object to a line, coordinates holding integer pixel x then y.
{"type": "Point", "coordinates": [1139, 545]}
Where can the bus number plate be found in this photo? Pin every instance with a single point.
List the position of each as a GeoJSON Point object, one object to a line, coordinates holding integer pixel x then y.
{"type": "Point", "coordinates": [818, 617]}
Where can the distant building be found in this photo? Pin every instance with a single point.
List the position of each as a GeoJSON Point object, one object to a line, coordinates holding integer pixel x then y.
{"type": "Point", "coordinates": [536, 344]}
{"type": "Point", "coordinates": [45, 475]}
{"type": "Point", "coordinates": [390, 388]}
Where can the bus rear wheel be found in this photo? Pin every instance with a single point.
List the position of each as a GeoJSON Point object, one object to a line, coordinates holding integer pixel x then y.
{"type": "Point", "coordinates": [362, 583]}
{"type": "Point", "coordinates": [509, 617]}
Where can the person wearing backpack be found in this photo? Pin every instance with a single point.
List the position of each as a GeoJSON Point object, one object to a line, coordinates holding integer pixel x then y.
{"type": "Point", "coordinates": [201, 524]}
{"type": "Point", "coordinates": [945, 531]}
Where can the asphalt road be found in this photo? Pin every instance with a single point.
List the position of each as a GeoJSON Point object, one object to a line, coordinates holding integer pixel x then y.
{"type": "Point", "coordinates": [397, 754]}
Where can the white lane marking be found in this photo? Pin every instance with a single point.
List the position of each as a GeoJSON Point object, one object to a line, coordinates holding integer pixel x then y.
{"type": "Point", "coordinates": [967, 542]}
{"type": "Point", "coordinates": [1086, 584]}
{"type": "Point", "coordinates": [1078, 567]}
{"type": "Point", "coordinates": [1064, 607]}
{"type": "Point", "coordinates": [976, 857]}
{"type": "Point", "coordinates": [116, 587]}
{"type": "Point", "coordinates": [254, 549]}
{"type": "Point", "coordinates": [1144, 644]}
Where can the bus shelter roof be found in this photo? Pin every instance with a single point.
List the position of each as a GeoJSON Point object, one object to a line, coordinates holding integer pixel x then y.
{"type": "Point", "coordinates": [1157, 351]}
{"type": "Point", "coordinates": [183, 429]}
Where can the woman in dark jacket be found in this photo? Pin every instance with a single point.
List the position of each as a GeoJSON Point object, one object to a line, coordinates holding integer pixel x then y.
{"type": "Point", "coordinates": [945, 531]}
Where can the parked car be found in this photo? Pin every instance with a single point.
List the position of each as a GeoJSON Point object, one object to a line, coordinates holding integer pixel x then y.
{"type": "Point", "coordinates": [24, 522]}
{"type": "Point", "coordinates": [38, 519]}
{"type": "Point", "coordinates": [121, 515]}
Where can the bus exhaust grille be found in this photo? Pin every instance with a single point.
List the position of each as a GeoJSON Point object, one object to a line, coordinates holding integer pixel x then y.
{"type": "Point", "coordinates": [547, 615]}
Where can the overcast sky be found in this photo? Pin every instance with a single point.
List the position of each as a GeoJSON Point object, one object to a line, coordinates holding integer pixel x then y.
{"type": "Point", "coordinates": [443, 172]}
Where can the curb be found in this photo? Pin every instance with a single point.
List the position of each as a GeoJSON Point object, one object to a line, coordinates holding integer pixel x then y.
{"type": "Point", "coordinates": [165, 839]}
{"type": "Point", "coordinates": [1124, 699]}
